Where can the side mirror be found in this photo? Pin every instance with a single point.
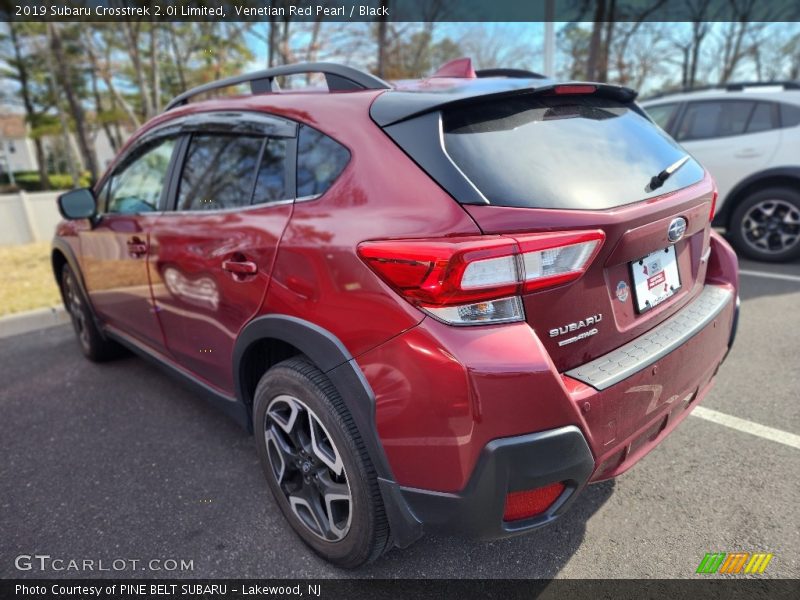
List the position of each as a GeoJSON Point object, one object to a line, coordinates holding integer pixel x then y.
{"type": "Point", "coordinates": [77, 204]}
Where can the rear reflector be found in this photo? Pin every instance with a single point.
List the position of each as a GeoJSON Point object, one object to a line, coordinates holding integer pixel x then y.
{"type": "Point", "coordinates": [529, 503]}
{"type": "Point", "coordinates": [478, 280]}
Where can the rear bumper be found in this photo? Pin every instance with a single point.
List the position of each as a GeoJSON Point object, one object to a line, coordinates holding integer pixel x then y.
{"type": "Point", "coordinates": [628, 393]}
{"type": "Point", "coordinates": [507, 465]}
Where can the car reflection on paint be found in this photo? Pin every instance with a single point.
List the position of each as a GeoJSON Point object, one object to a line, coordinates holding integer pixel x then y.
{"type": "Point", "coordinates": [201, 292]}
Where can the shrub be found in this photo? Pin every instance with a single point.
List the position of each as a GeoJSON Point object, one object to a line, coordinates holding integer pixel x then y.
{"type": "Point", "coordinates": [29, 181]}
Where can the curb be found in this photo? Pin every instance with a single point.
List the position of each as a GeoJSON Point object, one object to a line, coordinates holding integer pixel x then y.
{"type": "Point", "coordinates": [33, 320]}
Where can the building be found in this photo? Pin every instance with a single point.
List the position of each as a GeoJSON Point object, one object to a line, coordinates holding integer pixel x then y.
{"type": "Point", "coordinates": [18, 153]}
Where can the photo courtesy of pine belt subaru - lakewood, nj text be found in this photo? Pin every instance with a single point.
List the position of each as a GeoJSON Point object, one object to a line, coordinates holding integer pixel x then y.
{"type": "Point", "coordinates": [440, 305]}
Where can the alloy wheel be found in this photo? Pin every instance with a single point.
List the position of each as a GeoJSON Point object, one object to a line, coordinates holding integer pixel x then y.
{"type": "Point", "coordinates": [771, 226]}
{"type": "Point", "coordinates": [308, 468]}
{"type": "Point", "coordinates": [75, 306]}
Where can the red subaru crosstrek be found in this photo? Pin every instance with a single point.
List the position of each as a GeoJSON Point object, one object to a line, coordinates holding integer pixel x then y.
{"type": "Point", "coordinates": [446, 304]}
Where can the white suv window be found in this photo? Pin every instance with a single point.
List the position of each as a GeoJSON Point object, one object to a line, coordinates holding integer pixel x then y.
{"type": "Point", "coordinates": [711, 119]}
{"type": "Point", "coordinates": [662, 113]}
{"type": "Point", "coordinates": [790, 115]}
{"type": "Point", "coordinates": [763, 118]}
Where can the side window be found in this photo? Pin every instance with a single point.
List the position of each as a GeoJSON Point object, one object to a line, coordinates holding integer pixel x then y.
{"type": "Point", "coordinates": [790, 115]}
{"type": "Point", "coordinates": [137, 187]}
{"type": "Point", "coordinates": [218, 172]}
{"type": "Point", "coordinates": [662, 114]}
{"type": "Point", "coordinates": [271, 179]}
{"type": "Point", "coordinates": [320, 159]}
{"type": "Point", "coordinates": [704, 120]}
{"type": "Point", "coordinates": [764, 117]}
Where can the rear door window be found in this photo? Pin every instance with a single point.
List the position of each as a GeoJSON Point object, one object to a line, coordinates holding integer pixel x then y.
{"type": "Point", "coordinates": [573, 152]}
{"type": "Point", "coordinates": [763, 118]}
{"type": "Point", "coordinates": [711, 119]}
{"type": "Point", "coordinates": [219, 172]}
{"type": "Point", "coordinates": [790, 115]}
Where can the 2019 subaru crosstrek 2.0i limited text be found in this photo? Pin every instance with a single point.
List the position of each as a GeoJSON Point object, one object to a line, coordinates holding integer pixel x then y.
{"type": "Point", "coordinates": [440, 305]}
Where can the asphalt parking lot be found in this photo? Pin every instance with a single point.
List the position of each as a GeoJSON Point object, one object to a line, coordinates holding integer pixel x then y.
{"type": "Point", "coordinates": [119, 461]}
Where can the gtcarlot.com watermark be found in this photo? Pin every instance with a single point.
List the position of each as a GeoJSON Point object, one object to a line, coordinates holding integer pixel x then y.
{"type": "Point", "coordinates": [44, 563]}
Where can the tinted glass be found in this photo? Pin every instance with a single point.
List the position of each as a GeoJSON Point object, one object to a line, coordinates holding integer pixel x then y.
{"type": "Point", "coordinates": [661, 114]}
{"type": "Point", "coordinates": [562, 152]}
{"type": "Point", "coordinates": [219, 172]}
{"type": "Point", "coordinates": [763, 118]}
{"type": "Point", "coordinates": [271, 180]}
{"type": "Point", "coordinates": [137, 187]}
{"type": "Point", "coordinates": [320, 159]}
{"type": "Point", "coordinates": [790, 115]}
{"type": "Point", "coordinates": [704, 120]}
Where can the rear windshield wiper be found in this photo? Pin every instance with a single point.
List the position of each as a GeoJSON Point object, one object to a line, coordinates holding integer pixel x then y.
{"type": "Point", "coordinates": [658, 180]}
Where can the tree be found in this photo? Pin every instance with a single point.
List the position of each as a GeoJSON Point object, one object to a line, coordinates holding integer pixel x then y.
{"type": "Point", "coordinates": [23, 63]}
{"type": "Point", "coordinates": [496, 45]}
{"type": "Point", "coordinates": [65, 75]}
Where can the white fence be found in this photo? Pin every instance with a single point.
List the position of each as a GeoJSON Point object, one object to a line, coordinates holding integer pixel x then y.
{"type": "Point", "coordinates": [28, 217]}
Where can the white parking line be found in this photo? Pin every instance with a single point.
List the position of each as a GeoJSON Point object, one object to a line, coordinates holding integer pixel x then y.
{"type": "Point", "coordinates": [762, 431]}
{"type": "Point", "coordinates": [766, 275]}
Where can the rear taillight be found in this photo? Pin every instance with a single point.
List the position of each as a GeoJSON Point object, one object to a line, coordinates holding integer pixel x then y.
{"type": "Point", "coordinates": [479, 280]}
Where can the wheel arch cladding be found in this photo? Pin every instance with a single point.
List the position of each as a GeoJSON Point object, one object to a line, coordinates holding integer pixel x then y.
{"type": "Point", "coordinates": [777, 177]}
{"type": "Point", "coordinates": [272, 338]}
{"type": "Point", "coordinates": [62, 254]}
{"type": "Point", "coordinates": [58, 260]}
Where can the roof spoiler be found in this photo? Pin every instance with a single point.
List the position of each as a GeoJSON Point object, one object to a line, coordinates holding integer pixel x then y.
{"type": "Point", "coordinates": [401, 105]}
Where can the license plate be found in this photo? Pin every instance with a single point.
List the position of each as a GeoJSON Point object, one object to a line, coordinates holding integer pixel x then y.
{"type": "Point", "coordinates": [655, 278]}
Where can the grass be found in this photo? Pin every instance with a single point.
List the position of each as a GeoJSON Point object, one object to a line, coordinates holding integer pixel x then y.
{"type": "Point", "coordinates": [26, 278]}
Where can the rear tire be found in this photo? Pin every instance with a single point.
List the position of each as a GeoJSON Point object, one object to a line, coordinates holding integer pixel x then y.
{"type": "Point", "coordinates": [316, 465]}
{"type": "Point", "coordinates": [91, 341]}
{"type": "Point", "coordinates": [765, 226]}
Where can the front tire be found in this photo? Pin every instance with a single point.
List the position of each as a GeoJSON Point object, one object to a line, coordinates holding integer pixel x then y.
{"type": "Point", "coordinates": [765, 226]}
{"type": "Point", "coordinates": [92, 343]}
{"type": "Point", "coordinates": [317, 466]}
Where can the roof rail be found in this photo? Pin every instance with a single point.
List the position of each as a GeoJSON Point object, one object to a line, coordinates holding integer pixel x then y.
{"type": "Point", "coordinates": [740, 85]}
{"type": "Point", "coordinates": [729, 87]}
{"type": "Point", "coordinates": [512, 73]}
{"type": "Point", "coordinates": [338, 77]}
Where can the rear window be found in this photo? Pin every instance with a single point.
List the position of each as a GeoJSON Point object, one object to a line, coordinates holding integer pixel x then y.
{"type": "Point", "coordinates": [573, 152]}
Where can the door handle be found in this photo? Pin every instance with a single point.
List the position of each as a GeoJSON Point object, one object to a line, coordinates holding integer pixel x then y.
{"type": "Point", "coordinates": [136, 247]}
{"type": "Point", "coordinates": [240, 267]}
{"type": "Point", "coordinates": [747, 153]}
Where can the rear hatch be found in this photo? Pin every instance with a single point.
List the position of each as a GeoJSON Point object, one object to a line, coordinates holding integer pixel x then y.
{"type": "Point", "coordinates": [572, 158]}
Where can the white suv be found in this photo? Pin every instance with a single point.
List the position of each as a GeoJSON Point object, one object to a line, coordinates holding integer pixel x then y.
{"type": "Point", "coordinates": [748, 137]}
